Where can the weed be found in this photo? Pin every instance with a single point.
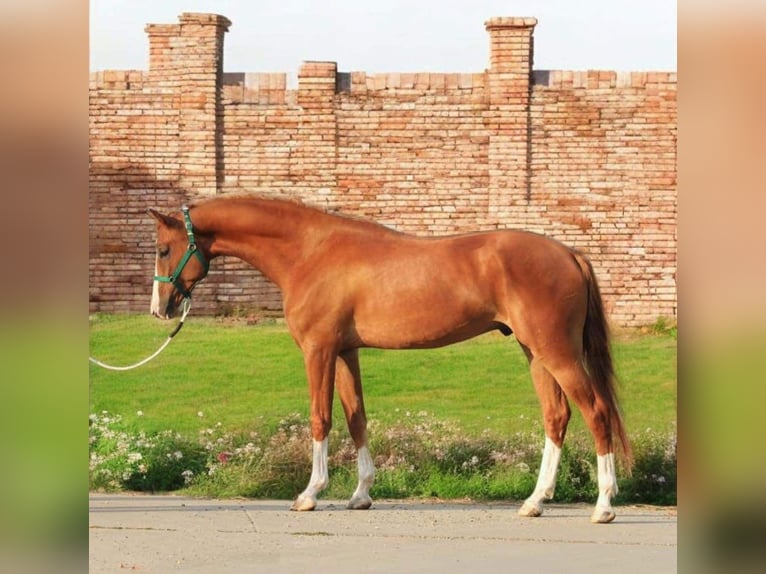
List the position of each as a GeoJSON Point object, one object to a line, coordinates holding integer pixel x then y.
{"type": "Point", "coordinates": [123, 460]}
{"type": "Point", "coordinates": [654, 473]}
{"type": "Point", "coordinates": [416, 456]}
{"type": "Point", "coordinates": [664, 326]}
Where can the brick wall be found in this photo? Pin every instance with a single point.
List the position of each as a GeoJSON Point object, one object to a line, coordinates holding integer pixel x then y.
{"type": "Point", "coordinates": [586, 157]}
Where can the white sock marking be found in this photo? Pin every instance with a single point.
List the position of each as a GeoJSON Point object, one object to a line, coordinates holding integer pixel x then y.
{"type": "Point", "coordinates": [546, 481]}
{"type": "Point", "coordinates": [319, 474]}
{"type": "Point", "coordinates": [607, 480]}
{"type": "Point", "coordinates": [366, 474]}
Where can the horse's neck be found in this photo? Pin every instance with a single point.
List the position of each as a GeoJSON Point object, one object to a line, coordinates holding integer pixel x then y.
{"type": "Point", "coordinates": [264, 235]}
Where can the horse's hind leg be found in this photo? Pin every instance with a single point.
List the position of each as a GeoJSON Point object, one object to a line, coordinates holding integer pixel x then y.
{"type": "Point", "coordinates": [348, 382]}
{"type": "Point", "coordinates": [578, 386]}
{"type": "Point", "coordinates": [556, 415]}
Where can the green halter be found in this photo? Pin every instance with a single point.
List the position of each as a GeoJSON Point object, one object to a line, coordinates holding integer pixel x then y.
{"type": "Point", "coordinates": [191, 250]}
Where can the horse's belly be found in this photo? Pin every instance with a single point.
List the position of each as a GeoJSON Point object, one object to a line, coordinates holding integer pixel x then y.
{"type": "Point", "coordinates": [428, 298]}
{"type": "Point", "coordinates": [428, 326]}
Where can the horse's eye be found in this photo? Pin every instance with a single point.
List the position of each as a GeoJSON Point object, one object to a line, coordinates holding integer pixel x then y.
{"type": "Point", "coordinates": [163, 251]}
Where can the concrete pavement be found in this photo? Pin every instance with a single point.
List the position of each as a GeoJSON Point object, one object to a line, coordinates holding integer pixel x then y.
{"type": "Point", "coordinates": [147, 533]}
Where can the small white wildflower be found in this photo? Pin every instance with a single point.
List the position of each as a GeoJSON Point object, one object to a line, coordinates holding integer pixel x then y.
{"type": "Point", "coordinates": [139, 413]}
{"type": "Point", "coordinates": [178, 455]}
{"type": "Point", "coordinates": [200, 414]}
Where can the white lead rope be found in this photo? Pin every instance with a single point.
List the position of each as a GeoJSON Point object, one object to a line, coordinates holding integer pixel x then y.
{"type": "Point", "coordinates": [186, 308]}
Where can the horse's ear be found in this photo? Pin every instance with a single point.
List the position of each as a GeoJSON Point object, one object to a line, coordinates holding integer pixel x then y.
{"type": "Point", "coordinates": [165, 220]}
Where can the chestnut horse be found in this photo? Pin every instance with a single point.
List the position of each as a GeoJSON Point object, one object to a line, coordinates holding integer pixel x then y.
{"type": "Point", "coordinates": [347, 283]}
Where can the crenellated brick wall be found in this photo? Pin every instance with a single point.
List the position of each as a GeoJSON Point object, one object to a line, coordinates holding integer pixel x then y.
{"type": "Point", "coordinates": [586, 157]}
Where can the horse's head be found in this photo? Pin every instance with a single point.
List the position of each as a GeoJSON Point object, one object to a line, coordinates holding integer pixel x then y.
{"type": "Point", "coordinates": [179, 264]}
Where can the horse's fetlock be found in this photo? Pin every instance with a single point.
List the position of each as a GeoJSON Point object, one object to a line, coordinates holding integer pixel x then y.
{"type": "Point", "coordinates": [320, 430]}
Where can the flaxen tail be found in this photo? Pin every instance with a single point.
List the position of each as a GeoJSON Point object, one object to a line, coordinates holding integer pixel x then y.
{"type": "Point", "coordinates": [598, 357]}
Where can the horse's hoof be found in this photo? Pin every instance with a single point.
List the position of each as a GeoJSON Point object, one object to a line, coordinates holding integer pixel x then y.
{"type": "Point", "coordinates": [530, 509]}
{"type": "Point", "coordinates": [302, 504]}
{"type": "Point", "coordinates": [359, 503]}
{"type": "Point", "coordinates": [602, 516]}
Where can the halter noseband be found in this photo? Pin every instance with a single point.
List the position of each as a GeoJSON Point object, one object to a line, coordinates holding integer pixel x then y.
{"type": "Point", "coordinates": [191, 250]}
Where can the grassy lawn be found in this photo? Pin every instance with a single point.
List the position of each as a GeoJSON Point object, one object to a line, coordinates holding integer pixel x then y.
{"type": "Point", "coordinates": [251, 377]}
{"type": "Point", "coordinates": [224, 412]}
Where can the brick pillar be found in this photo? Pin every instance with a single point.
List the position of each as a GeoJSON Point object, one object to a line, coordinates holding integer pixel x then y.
{"type": "Point", "coordinates": [507, 117]}
{"type": "Point", "coordinates": [313, 161]}
{"type": "Point", "coordinates": [186, 60]}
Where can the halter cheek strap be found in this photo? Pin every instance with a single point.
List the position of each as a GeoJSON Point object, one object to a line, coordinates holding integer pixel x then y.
{"type": "Point", "coordinates": [192, 249]}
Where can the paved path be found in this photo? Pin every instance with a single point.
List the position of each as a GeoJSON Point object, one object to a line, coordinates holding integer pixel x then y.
{"type": "Point", "coordinates": [161, 534]}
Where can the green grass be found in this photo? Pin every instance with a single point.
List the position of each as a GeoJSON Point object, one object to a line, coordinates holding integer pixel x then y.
{"type": "Point", "coordinates": [226, 405]}
{"type": "Point", "coordinates": [252, 376]}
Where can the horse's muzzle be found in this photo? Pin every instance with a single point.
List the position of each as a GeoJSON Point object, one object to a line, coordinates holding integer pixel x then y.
{"type": "Point", "coordinates": [169, 310]}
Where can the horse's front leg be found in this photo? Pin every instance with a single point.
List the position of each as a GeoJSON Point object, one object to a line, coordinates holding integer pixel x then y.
{"type": "Point", "coordinates": [320, 370]}
{"type": "Point", "coordinates": [348, 381]}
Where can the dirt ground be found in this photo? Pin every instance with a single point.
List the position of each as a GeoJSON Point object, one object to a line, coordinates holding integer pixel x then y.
{"type": "Point", "coordinates": [162, 534]}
